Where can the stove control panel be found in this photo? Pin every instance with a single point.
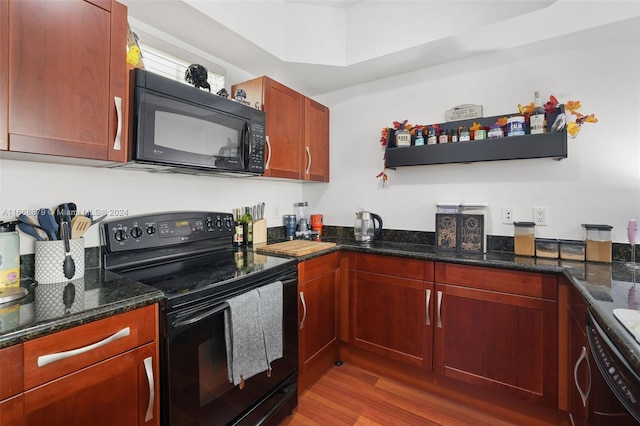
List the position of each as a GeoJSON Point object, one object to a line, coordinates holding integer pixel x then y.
{"type": "Point", "coordinates": [165, 229]}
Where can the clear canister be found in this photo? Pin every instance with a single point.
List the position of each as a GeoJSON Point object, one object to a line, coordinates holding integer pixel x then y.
{"type": "Point", "coordinates": [301, 209]}
{"type": "Point", "coordinates": [524, 240]}
{"type": "Point", "coordinates": [9, 255]}
{"type": "Point", "coordinates": [598, 242]}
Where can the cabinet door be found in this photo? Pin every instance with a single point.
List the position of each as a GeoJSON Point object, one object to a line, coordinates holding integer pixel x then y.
{"type": "Point", "coordinates": [389, 317]}
{"type": "Point", "coordinates": [316, 155]}
{"type": "Point", "coordinates": [285, 129]}
{"type": "Point", "coordinates": [4, 73]}
{"type": "Point", "coordinates": [497, 340]}
{"type": "Point", "coordinates": [62, 58]}
{"type": "Point", "coordinates": [107, 393]}
{"type": "Point", "coordinates": [317, 317]}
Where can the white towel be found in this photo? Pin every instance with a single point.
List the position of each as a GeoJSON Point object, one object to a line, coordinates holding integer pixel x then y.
{"type": "Point", "coordinates": [244, 337]}
{"type": "Point", "coordinates": [271, 320]}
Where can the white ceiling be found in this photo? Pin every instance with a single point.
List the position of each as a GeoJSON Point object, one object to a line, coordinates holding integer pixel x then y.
{"type": "Point", "coordinates": [317, 47]}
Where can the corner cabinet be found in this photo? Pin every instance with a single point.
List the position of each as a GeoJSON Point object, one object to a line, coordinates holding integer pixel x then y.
{"type": "Point", "coordinates": [100, 373]}
{"type": "Point", "coordinates": [297, 130]}
{"type": "Point", "coordinates": [317, 317]}
{"type": "Point", "coordinates": [63, 78]}
{"type": "Point", "coordinates": [547, 145]}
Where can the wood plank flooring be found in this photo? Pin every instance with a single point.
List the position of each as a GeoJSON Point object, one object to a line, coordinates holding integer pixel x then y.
{"type": "Point", "coordinates": [349, 395]}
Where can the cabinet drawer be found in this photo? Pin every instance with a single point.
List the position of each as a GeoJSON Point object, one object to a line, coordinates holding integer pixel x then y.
{"type": "Point", "coordinates": [318, 266]}
{"type": "Point", "coordinates": [395, 266]}
{"type": "Point", "coordinates": [11, 371]}
{"type": "Point", "coordinates": [514, 282]}
{"type": "Point", "coordinates": [58, 354]}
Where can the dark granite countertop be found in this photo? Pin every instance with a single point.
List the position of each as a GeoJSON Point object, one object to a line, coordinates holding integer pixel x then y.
{"type": "Point", "coordinates": [605, 286]}
{"type": "Point", "coordinates": [49, 308]}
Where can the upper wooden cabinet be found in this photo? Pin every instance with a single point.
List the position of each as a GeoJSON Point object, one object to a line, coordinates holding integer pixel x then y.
{"type": "Point", "coordinates": [297, 130]}
{"type": "Point", "coordinates": [63, 78]}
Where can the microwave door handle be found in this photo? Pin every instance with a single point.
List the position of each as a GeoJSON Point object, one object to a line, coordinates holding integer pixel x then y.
{"type": "Point", "coordinates": [246, 145]}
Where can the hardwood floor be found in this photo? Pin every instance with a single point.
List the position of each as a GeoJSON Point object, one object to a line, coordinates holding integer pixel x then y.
{"type": "Point", "coordinates": [349, 395]}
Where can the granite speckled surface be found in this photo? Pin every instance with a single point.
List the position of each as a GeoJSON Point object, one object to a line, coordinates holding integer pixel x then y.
{"type": "Point", "coordinates": [99, 294]}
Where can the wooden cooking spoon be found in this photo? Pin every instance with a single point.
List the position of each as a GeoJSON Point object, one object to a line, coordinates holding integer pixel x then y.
{"type": "Point", "coordinates": [79, 225]}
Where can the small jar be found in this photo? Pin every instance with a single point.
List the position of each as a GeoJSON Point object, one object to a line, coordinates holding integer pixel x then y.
{"type": "Point", "coordinates": [403, 137]}
{"type": "Point", "coordinates": [464, 135]}
{"type": "Point", "coordinates": [495, 131]}
{"type": "Point", "coordinates": [419, 138]}
{"type": "Point", "coordinates": [432, 135]}
{"type": "Point", "coordinates": [444, 137]}
{"type": "Point", "coordinates": [524, 240]}
{"type": "Point", "coordinates": [598, 243]}
{"type": "Point", "coordinates": [479, 134]}
{"type": "Point", "coordinates": [515, 126]}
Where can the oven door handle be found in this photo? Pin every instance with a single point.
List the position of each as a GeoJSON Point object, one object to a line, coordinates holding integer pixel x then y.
{"type": "Point", "coordinates": [194, 319]}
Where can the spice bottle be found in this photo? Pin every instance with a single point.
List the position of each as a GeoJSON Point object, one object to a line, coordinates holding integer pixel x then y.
{"type": "Point", "coordinates": [463, 134]}
{"type": "Point", "coordinates": [432, 135]}
{"type": "Point", "coordinates": [444, 137]}
{"type": "Point", "coordinates": [419, 138]}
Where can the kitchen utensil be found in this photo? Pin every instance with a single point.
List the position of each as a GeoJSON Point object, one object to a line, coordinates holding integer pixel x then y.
{"type": "Point", "coordinates": [296, 248]}
{"type": "Point", "coordinates": [365, 229]}
{"type": "Point", "coordinates": [79, 225]}
{"type": "Point", "coordinates": [66, 212]}
{"type": "Point", "coordinates": [26, 225]}
{"type": "Point", "coordinates": [68, 265]}
{"type": "Point", "coordinates": [48, 222]}
{"type": "Point", "coordinates": [97, 219]}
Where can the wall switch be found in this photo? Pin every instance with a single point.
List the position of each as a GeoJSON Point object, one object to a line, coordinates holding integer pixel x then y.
{"type": "Point", "coordinates": [508, 213]}
{"type": "Point", "coordinates": [540, 216]}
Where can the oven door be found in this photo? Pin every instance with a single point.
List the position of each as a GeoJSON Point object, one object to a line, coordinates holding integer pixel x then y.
{"type": "Point", "coordinates": [196, 389]}
{"type": "Point", "coordinates": [174, 132]}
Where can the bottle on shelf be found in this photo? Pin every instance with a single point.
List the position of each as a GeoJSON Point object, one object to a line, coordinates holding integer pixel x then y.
{"type": "Point", "coordinates": [238, 233]}
{"type": "Point", "coordinates": [419, 137]}
{"type": "Point", "coordinates": [247, 227]}
{"type": "Point", "coordinates": [538, 119]}
{"type": "Point", "coordinates": [403, 137]}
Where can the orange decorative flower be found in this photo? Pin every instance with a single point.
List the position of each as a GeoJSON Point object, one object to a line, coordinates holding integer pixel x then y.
{"type": "Point", "coordinates": [527, 109]}
{"type": "Point", "coordinates": [502, 121]}
{"type": "Point", "coordinates": [475, 126]}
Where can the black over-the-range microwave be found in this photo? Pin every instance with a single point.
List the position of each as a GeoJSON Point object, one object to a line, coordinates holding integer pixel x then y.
{"type": "Point", "coordinates": [179, 128]}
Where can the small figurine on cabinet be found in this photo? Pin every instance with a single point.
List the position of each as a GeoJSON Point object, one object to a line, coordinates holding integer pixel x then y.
{"type": "Point", "coordinates": [197, 75]}
{"type": "Point", "coordinates": [223, 92]}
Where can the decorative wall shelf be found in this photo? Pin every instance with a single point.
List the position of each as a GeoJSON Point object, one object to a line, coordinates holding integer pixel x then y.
{"type": "Point", "coordinates": [546, 145]}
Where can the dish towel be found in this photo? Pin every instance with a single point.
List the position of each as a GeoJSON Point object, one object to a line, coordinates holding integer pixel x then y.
{"type": "Point", "coordinates": [271, 316]}
{"type": "Point", "coordinates": [246, 355]}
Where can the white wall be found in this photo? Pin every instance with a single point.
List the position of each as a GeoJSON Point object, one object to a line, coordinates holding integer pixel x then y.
{"type": "Point", "coordinates": [28, 185]}
{"type": "Point", "coordinates": [599, 182]}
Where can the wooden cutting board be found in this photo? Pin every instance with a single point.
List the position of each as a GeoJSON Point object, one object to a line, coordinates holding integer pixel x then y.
{"type": "Point", "coordinates": [296, 247]}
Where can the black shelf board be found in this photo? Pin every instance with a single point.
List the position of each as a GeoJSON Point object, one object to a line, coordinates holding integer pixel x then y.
{"type": "Point", "coordinates": [546, 145]}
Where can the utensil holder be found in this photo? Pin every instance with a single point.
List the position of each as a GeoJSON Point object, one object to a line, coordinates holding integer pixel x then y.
{"type": "Point", "coordinates": [49, 257]}
{"type": "Point", "coordinates": [260, 231]}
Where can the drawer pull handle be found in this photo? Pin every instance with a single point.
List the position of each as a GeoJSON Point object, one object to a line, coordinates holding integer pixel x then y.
{"type": "Point", "coordinates": [583, 395]}
{"type": "Point", "coordinates": [148, 369]}
{"type": "Point", "coordinates": [304, 311]}
{"type": "Point", "coordinates": [428, 297]}
{"type": "Point", "coordinates": [439, 308]}
{"type": "Point", "coordinates": [117, 143]}
{"type": "Point", "coordinates": [48, 359]}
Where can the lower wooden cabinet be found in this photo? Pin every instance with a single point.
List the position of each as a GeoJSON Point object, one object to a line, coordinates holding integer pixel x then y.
{"type": "Point", "coordinates": [390, 304]}
{"type": "Point", "coordinates": [498, 329]}
{"type": "Point", "coordinates": [317, 313]}
{"type": "Point", "coordinates": [101, 373]}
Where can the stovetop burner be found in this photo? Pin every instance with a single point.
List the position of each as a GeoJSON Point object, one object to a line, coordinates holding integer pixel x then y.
{"type": "Point", "coordinates": [190, 259]}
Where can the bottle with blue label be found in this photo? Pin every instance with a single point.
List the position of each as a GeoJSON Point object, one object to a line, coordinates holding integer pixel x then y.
{"type": "Point", "coordinates": [419, 137]}
{"type": "Point", "coordinates": [515, 126]}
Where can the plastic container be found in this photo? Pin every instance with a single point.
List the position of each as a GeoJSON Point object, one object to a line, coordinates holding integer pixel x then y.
{"type": "Point", "coordinates": [495, 131]}
{"type": "Point", "coordinates": [598, 243]}
{"type": "Point", "coordinates": [9, 255]}
{"type": "Point", "coordinates": [547, 248]}
{"type": "Point", "coordinates": [572, 250]}
{"type": "Point", "coordinates": [524, 240]}
{"type": "Point", "coordinates": [515, 126]}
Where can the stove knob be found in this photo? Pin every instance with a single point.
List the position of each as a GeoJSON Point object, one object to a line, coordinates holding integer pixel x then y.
{"type": "Point", "coordinates": [228, 222]}
{"type": "Point", "coordinates": [120, 235]}
{"type": "Point", "coordinates": [151, 229]}
{"type": "Point", "coordinates": [136, 232]}
{"type": "Point", "coordinates": [219, 223]}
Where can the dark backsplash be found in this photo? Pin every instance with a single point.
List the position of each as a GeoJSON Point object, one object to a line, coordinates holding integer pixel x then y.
{"type": "Point", "coordinates": [498, 243]}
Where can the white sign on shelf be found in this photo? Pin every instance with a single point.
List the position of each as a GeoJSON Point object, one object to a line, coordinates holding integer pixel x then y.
{"type": "Point", "coordinates": [464, 112]}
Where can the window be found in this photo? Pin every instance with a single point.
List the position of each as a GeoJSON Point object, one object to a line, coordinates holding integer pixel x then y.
{"type": "Point", "coordinates": [173, 68]}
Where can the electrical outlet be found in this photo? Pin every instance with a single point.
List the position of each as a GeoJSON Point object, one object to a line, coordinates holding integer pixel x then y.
{"type": "Point", "coordinates": [507, 214]}
{"type": "Point", "coordinates": [540, 216]}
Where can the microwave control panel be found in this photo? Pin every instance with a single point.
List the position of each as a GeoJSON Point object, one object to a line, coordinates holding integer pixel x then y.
{"type": "Point", "coordinates": [165, 229]}
{"type": "Point", "coordinates": [256, 152]}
